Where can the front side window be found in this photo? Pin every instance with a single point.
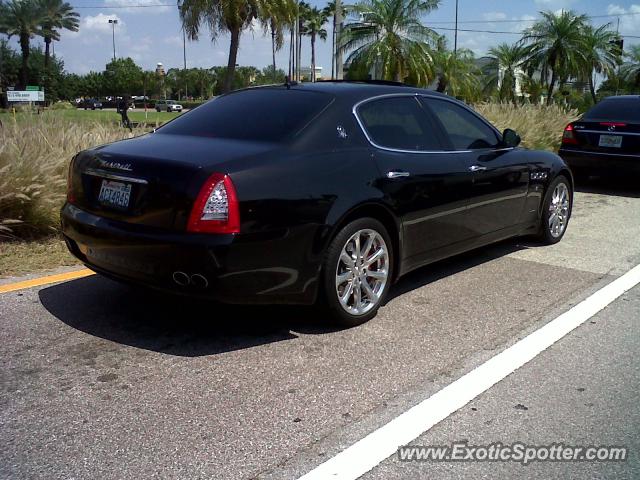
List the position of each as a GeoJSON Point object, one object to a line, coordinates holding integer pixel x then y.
{"type": "Point", "coordinates": [399, 123]}
{"type": "Point", "coordinates": [465, 130]}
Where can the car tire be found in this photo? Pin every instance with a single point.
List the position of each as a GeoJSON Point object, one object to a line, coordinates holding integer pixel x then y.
{"type": "Point", "coordinates": [168, 110]}
{"type": "Point", "coordinates": [344, 294]}
{"type": "Point", "coordinates": [556, 210]}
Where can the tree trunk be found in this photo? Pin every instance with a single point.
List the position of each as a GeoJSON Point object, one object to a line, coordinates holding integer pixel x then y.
{"type": "Point", "coordinates": [291, 58]}
{"type": "Point", "coordinates": [592, 88]}
{"type": "Point", "coordinates": [47, 58]}
{"type": "Point", "coordinates": [333, 50]}
{"type": "Point", "coordinates": [552, 84]}
{"type": "Point", "coordinates": [231, 64]}
{"type": "Point", "coordinates": [273, 50]}
{"type": "Point", "coordinates": [313, 57]}
{"type": "Point", "coordinates": [24, 70]}
{"type": "Point", "coordinates": [442, 85]}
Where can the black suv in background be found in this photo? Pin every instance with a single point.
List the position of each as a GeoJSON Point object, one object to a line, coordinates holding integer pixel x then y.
{"type": "Point", "coordinates": [606, 140]}
{"type": "Point", "coordinates": [91, 103]}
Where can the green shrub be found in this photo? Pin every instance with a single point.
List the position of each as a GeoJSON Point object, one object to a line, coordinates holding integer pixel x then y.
{"type": "Point", "coordinates": [540, 126]}
{"type": "Point", "coordinates": [34, 157]}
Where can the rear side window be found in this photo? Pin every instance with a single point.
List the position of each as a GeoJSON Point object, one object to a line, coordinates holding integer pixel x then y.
{"type": "Point", "coordinates": [465, 130]}
{"type": "Point", "coordinates": [264, 115]}
{"type": "Point", "coordinates": [400, 123]}
{"type": "Point", "coordinates": [618, 109]}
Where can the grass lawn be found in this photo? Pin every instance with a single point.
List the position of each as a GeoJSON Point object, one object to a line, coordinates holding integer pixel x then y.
{"type": "Point", "coordinates": [21, 258]}
{"type": "Point", "coordinates": [103, 116]}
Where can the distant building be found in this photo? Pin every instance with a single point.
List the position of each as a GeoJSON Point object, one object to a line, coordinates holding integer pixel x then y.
{"type": "Point", "coordinates": [306, 73]}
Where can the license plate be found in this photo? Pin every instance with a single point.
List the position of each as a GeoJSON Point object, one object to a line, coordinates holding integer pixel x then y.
{"type": "Point", "coordinates": [611, 141]}
{"type": "Point", "coordinates": [115, 194]}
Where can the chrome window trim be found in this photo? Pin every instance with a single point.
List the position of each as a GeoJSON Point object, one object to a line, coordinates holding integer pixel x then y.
{"type": "Point", "coordinates": [354, 110]}
{"type": "Point", "coordinates": [589, 152]}
{"type": "Point", "coordinates": [112, 176]}
{"type": "Point", "coordinates": [615, 132]}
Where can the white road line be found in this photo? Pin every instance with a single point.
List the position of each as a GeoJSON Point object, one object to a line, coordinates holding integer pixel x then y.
{"type": "Point", "coordinates": [368, 452]}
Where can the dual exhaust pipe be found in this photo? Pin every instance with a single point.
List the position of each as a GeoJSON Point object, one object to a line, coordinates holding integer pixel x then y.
{"type": "Point", "coordinates": [196, 280]}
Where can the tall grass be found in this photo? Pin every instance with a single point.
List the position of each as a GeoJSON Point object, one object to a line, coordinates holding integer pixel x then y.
{"type": "Point", "coordinates": [540, 126]}
{"type": "Point", "coordinates": [35, 154]}
{"type": "Point", "coordinates": [34, 157]}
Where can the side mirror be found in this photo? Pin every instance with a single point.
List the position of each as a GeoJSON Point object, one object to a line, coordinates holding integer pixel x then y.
{"type": "Point", "coordinates": [510, 138]}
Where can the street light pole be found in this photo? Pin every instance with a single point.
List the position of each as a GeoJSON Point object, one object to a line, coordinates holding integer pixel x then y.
{"type": "Point", "coordinates": [455, 37]}
{"type": "Point", "coordinates": [113, 23]}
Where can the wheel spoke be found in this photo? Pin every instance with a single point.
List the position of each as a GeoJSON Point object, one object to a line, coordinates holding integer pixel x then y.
{"type": "Point", "coordinates": [357, 297]}
{"type": "Point", "coordinates": [367, 246]}
{"type": "Point", "coordinates": [344, 277]}
{"type": "Point", "coordinates": [369, 291]}
{"type": "Point", "coordinates": [347, 259]}
{"type": "Point", "coordinates": [357, 248]}
{"type": "Point", "coordinates": [377, 274]}
{"type": "Point", "coordinates": [375, 257]}
{"type": "Point", "coordinates": [344, 299]}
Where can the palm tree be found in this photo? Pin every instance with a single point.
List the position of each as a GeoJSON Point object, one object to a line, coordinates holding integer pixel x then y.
{"type": "Point", "coordinates": [504, 70]}
{"type": "Point", "coordinates": [556, 43]}
{"type": "Point", "coordinates": [390, 38]}
{"type": "Point", "coordinates": [602, 53]}
{"type": "Point", "coordinates": [631, 69]}
{"type": "Point", "coordinates": [228, 16]}
{"type": "Point", "coordinates": [456, 72]}
{"type": "Point", "coordinates": [315, 20]}
{"type": "Point", "coordinates": [330, 11]}
{"type": "Point", "coordinates": [281, 15]}
{"type": "Point", "coordinates": [57, 15]}
{"type": "Point", "coordinates": [22, 18]}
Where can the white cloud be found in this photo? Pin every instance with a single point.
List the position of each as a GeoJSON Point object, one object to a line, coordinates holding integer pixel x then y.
{"type": "Point", "coordinates": [493, 16]}
{"type": "Point", "coordinates": [629, 24]}
{"type": "Point", "coordinates": [126, 3]}
{"type": "Point", "coordinates": [100, 23]}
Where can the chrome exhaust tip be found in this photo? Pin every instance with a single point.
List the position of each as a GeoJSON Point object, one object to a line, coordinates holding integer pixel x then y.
{"type": "Point", "coordinates": [199, 281]}
{"type": "Point", "coordinates": [181, 278]}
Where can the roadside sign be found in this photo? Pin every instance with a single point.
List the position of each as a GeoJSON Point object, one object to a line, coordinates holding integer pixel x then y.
{"type": "Point", "coordinates": [32, 88]}
{"type": "Point", "coordinates": [25, 96]}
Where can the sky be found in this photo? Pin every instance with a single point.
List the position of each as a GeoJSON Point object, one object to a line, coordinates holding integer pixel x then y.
{"type": "Point", "coordinates": [151, 35]}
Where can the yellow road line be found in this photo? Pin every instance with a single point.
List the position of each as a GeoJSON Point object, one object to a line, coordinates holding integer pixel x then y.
{"type": "Point", "coordinates": [37, 282]}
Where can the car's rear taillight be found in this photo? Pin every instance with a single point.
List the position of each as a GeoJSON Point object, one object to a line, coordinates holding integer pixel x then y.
{"type": "Point", "coordinates": [71, 196]}
{"type": "Point", "coordinates": [216, 209]}
{"type": "Point", "coordinates": [569, 137]}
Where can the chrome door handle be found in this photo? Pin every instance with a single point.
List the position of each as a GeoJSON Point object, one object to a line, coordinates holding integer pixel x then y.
{"type": "Point", "coordinates": [397, 174]}
{"type": "Point", "coordinates": [477, 168]}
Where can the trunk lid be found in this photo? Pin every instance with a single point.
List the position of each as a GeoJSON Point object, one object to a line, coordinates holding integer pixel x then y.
{"type": "Point", "coordinates": [608, 136]}
{"type": "Point", "coordinates": [152, 180]}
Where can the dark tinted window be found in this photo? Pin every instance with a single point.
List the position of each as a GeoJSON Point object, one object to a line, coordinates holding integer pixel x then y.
{"type": "Point", "coordinates": [398, 122]}
{"type": "Point", "coordinates": [265, 114]}
{"type": "Point", "coordinates": [465, 130]}
{"type": "Point", "coordinates": [620, 109]}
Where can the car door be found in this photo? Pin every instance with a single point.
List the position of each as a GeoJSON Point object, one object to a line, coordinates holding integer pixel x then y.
{"type": "Point", "coordinates": [500, 179]}
{"type": "Point", "coordinates": [428, 187]}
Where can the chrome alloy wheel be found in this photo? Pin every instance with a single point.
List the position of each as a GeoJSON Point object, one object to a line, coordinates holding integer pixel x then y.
{"type": "Point", "coordinates": [362, 271]}
{"type": "Point", "coordinates": [559, 210]}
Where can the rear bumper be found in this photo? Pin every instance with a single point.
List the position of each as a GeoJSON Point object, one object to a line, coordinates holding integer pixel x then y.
{"type": "Point", "coordinates": [602, 163]}
{"type": "Point", "coordinates": [236, 270]}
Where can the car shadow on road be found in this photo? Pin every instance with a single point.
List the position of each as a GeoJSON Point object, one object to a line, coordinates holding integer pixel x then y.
{"type": "Point", "coordinates": [170, 324]}
{"type": "Point", "coordinates": [616, 186]}
{"type": "Point", "coordinates": [450, 266]}
{"type": "Point", "coordinates": [183, 326]}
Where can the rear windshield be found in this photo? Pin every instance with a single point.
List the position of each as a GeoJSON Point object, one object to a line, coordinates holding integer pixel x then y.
{"type": "Point", "coordinates": [265, 115]}
{"type": "Point", "coordinates": [619, 109]}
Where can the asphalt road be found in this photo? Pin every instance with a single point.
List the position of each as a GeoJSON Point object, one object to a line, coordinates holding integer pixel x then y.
{"type": "Point", "coordinates": [101, 381]}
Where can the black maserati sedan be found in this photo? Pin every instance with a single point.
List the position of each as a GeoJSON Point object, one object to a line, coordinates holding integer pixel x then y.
{"type": "Point", "coordinates": [606, 140]}
{"type": "Point", "coordinates": [305, 193]}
